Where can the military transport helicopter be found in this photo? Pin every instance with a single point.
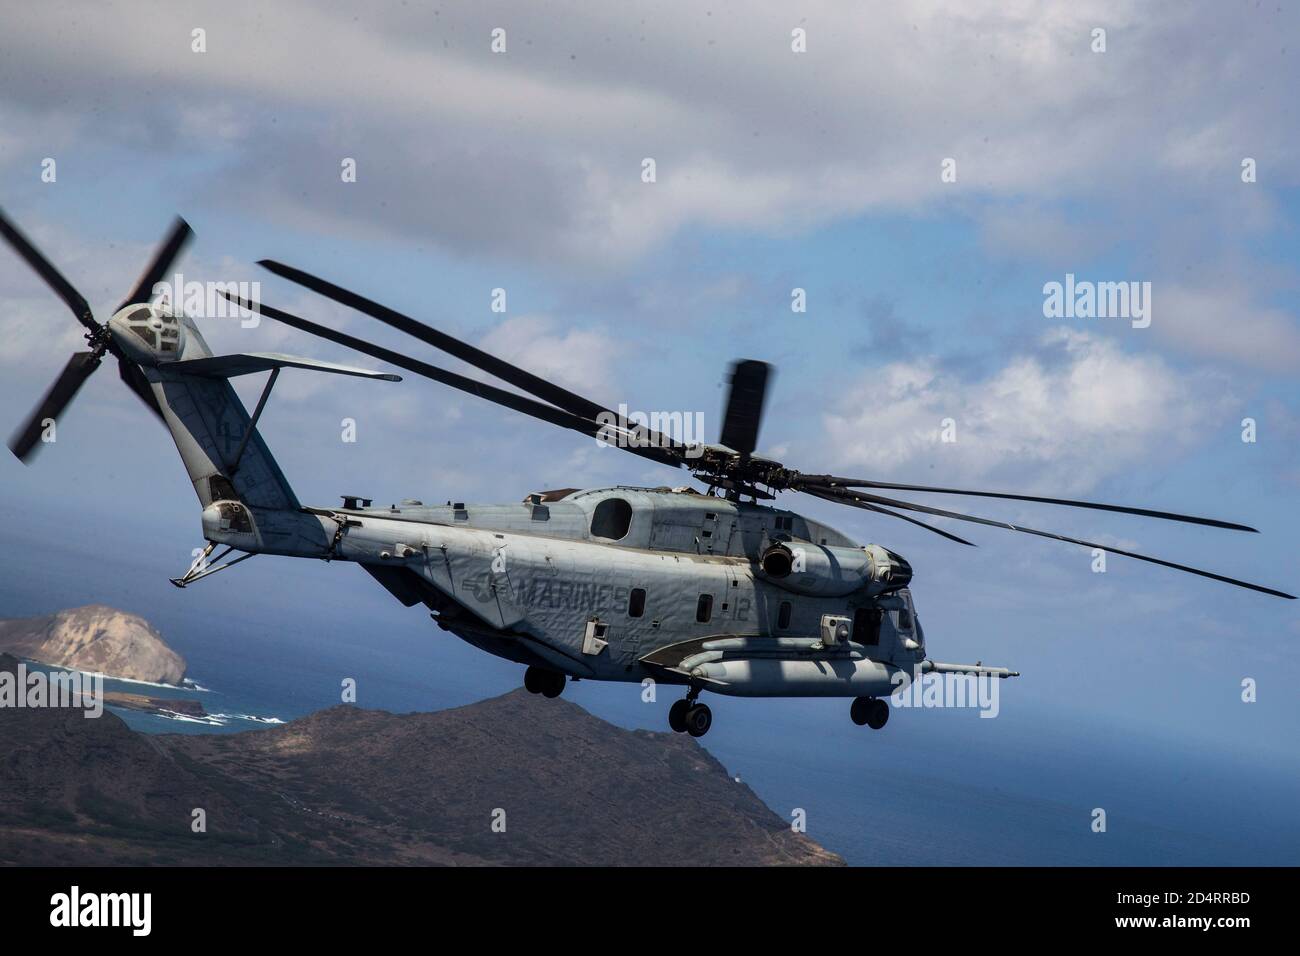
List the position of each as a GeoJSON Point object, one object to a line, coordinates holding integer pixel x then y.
{"type": "Point", "coordinates": [714, 590]}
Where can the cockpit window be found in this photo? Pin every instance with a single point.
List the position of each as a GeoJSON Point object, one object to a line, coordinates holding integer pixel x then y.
{"type": "Point", "coordinates": [866, 626]}
{"type": "Point", "coordinates": [611, 519]}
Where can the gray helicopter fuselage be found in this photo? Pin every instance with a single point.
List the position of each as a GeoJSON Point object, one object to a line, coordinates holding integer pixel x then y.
{"type": "Point", "coordinates": [627, 583]}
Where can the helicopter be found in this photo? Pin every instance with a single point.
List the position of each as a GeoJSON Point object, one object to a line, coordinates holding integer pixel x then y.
{"type": "Point", "coordinates": [718, 590]}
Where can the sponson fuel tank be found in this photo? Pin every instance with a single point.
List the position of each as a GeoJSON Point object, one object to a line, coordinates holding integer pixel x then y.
{"type": "Point", "coordinates": [838, 677]}
{"type": "Point", "coordinates": [829, 571]}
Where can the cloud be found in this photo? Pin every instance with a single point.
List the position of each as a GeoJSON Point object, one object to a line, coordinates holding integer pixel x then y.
{"type": "Point", "coordinates": [888, 332]}
{"type": "Point", "coordinates": [1035, 231]}
{"type": "Point", "coordinates": [1226, 323]}
{"type": "Point", "coordinates": [581, 360]}
{"type": "Point", "coordinates": [536, 153]}
{"type": "Point", "coordinates": [1061, 419]}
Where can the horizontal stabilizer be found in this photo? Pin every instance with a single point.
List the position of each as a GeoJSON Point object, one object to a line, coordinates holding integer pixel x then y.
{"type": "Point", "coordinates": [246, 363]}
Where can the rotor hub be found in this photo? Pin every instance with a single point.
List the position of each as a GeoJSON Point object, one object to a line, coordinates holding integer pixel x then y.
{"type": "Point", "coordinates": [148, 333]}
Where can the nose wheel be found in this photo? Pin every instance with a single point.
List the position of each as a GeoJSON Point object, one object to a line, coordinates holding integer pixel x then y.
{"type": "Point", "coordinates": [538, 680]}
{"type": "Point", "coordinates": [870, 711]}
{"type": "Point", "coordinates": [686, 716]}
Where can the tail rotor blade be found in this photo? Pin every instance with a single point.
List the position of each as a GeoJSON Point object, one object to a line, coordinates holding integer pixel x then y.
{"type": "Point", "coordinates": [45, 269]}
{"type": "Point", "coordinates": [79, 368]}
{"type": "Point", "coordinates": [130, 374]}
{"type": "Point", "coordinates": [162, 262]}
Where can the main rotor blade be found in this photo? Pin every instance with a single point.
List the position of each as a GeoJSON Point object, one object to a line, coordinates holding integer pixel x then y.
{"type": "Point", "coordinates": [512, 374]}
{"type": "Point", "coordinates": [519, 403]}
{"type": "Point", "coordinates": [908, 506]}
{"type": "Point", "coordinates": [835, 481]}
{"type": "Point", "coordinates": [847, 499]}
{"type": "Point", "coordinates": [26, 439]}
{"type": "Point", "coordinates": [744, 409]}
{"type": "Point", "coordinates": [45, 269]}
{"type": "Point", "coordinates": [156, 270]}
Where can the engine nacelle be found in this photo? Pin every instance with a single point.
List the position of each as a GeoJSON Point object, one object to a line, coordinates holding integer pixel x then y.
{"type": "Point", "coordinates": [824, 571]}
{"type": "Point", "coordinates": [815, 570]}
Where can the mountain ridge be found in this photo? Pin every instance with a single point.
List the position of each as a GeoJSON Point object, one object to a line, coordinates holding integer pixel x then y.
{"type": "Point", "coordinates": [512, 780]}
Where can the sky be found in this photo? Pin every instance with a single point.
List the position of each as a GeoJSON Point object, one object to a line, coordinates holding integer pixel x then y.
{"type": "Point", "coordinates": [775, 171]}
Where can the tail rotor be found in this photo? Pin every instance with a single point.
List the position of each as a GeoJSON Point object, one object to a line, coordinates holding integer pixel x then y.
{"type": "Point", "coordinates": [27, 439]}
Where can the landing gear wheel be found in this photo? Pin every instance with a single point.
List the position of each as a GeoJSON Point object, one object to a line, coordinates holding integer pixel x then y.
{"type": "Point", "coordinates": [534, 679]}
{"type": "Point", "coordinates": [698, 720]}
{"type": "Point", "coordinates": [869, 711]}
{"type": "Point", "coordinates": [554, 685]}
{"type": "Point", "coordinates": [877, 714]}
{"type": "Point", "coordinates": [677, 715]}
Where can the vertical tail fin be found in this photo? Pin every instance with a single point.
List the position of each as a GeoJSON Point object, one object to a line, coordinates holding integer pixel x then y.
{"type": "Point", "coordinates": [211, 427]}
{"type": "Point", "coordinates": [247, 501]}
{"type": "Point", "coordinates": [218, 440]}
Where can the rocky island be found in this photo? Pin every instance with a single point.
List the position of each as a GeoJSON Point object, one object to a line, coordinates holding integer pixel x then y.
{"type": "Point", "coordinates": [96, 639]}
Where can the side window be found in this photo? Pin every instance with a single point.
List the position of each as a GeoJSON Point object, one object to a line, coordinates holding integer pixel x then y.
{"type": "Point", "coordinates": [704, 609]}
{"type": "Point", "coordinates": [611, 519]}
{"type": "Point", "coordinates": [636, 603]}
{"type": "Point", "coordinates": [783, 616]}
{"type": "Point", "coordinates": [904, 619]}
{"type": "Point", "coordinates": [866, 626]}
